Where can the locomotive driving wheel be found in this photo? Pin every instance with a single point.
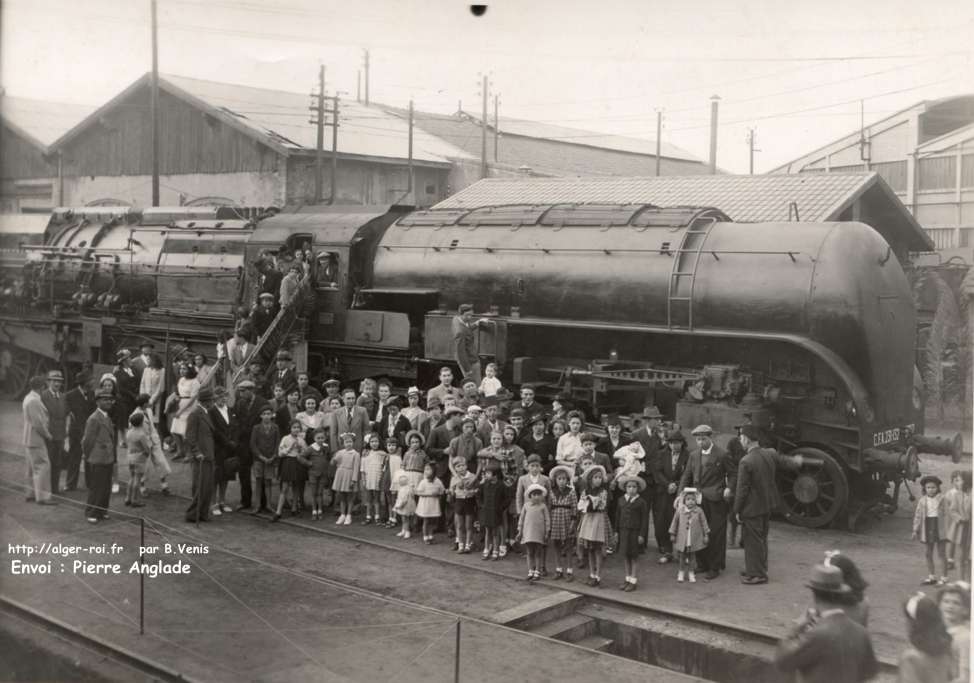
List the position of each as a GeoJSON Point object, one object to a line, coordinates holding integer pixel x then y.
{"type": "Point", "coordinates": [15, 369]}
{"type": "Point", "coordinates": [815, 492]}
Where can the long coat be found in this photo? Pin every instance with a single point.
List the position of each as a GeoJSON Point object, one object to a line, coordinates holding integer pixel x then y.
{"type": "Point", "coordinates": [689, 527]}
{"type": "Point", "coordinates": [199, 434]}
{"type": "Point", "coordinates": [834, 650]}
{"type": "Point", "coordinates": [756, 494]}
{"type": "Point", "coordinates": [98, 442]}
{"type": "Point", "coordinates": [80, 406]}
{"type": "Point", "coordinates": [224, 437]}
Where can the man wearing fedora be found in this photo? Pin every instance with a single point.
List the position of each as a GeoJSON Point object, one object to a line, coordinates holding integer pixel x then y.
{"type": "Point", "coordinates": [464, 329]}
{"type": "Point", "coordinates": [57, 412]}
{"type": "Point", "coordinates": [754, 500]}
{"type": "Point", "coordinates": [201, 449]}
{"type": "Point", "coordinates": [81, 404]}
{"type": "Point", "coordinates": [285, 374]}
{"type": "Point", "coordinates": [711, 471]}
{"type": "Point", "coordinates": [826, 646]}
{"type": "Point", "coordinates": [248, 407]}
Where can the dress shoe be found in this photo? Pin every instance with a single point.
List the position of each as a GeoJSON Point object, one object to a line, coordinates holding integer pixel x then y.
{"type": "Point", "coordinates": [754, 580]}
{"type": "Point", "coordinates": [711, 575]}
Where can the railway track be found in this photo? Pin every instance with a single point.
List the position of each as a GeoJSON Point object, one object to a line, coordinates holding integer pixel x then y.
{"type": "Point", "coordinates": [13, 611]}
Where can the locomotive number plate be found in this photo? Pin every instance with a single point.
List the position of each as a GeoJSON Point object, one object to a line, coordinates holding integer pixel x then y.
{"type": "Point", "coordinates": [890, 435]}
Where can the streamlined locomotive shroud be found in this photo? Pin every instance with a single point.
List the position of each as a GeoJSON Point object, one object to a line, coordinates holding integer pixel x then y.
{"type": "Point", "coordinates": [809, 327]}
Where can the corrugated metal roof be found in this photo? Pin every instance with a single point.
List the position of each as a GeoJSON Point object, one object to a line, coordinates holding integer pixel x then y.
{"type": "Point", "coordinates": [745, 199]}
{"type": "Point", "coordinates": [329, 228]}
{"type": "Point", "coordinates": [42, 120]}
{"type": "Point", "coordinates": [283, 117]}
{"type": "Point", "coordinates": [578, 136]}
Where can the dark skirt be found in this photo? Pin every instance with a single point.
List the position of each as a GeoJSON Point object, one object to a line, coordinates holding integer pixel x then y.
{"type": "Point", "coordinates": [931, 529]}
{"type": "Point", "coordinates": [490, 518]}
{"type": "Point", "coordinates": [289, 471]}
{"type": "Point", "coordinates": [629, 543]}
{"type": "Point", "coordinates": [464, 506]}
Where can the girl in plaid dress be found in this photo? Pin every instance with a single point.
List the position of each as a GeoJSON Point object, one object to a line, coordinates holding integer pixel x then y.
{"type": "Point", "coordinates": [563, 504]}
{"type": "Point", "coordinates": [373, 465]}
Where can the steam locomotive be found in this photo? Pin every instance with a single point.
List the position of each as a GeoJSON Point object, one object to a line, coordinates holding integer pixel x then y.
{"type": "Point", "coordinates": [808, 327]}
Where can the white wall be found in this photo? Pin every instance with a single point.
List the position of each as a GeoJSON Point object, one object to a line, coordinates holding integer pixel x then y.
{"type": "Point", "coordinates": [247, 189]}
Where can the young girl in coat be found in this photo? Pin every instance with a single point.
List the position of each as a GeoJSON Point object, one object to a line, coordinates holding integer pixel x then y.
{"type": "Point", "coordinates": [563, 506]}
{"type": "Point", "coordinates": [929, 520]}
{"type": "Point", "coordinates": [632, 525]}
{"type": "Point", "coordinates": [292, 446]}
{"type": "Point", "coordinates": [265, 437]}
{"type": "Point", "coordinates": [689, 532]}
{"type": "Point", "coordinates": [374, 461]}
{"type": "Point", "coordinates": [534, 528]}
{"type": "Point", "coordinates": [463, 488]}
{"type": "Point", "coordinates": [405, 505]}
{"type": "Point", "coordinates": [493, 497]}
{"type": "Point", "coordinates": [319, 471]}
{"type": "Point", "coordinates": [592, 529]}
{"type": "Point", "coordinates": [428, 509]}
{"type": "Point", "coordinates": [347, 464]}
{"type": "Point", "coordinates": [958, 526]}
{"type": "Point", "coordinates": [392, 475]}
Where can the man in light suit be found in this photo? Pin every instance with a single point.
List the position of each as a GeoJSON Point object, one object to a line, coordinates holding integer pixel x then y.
{"type": "Point", "coordinates": [98, 446]}
{"type": "Point", "coordinates": [349, 418]}
{"type": "Point", "coordinates": [201, 446]}
{"type": "Point", "coordinates": [37, 434]}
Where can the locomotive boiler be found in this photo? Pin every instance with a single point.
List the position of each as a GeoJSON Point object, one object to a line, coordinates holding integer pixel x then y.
{"type": "Point", "coordinates": [808, 327]}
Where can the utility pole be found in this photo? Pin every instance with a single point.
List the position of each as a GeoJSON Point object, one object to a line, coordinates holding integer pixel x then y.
{"type": "Point", "coordinates": [409, 186]}
{"type": "Point", "coordinates": [366, 51]}
{"type": "Point", "coordinates": [659, 137]}
{"type": "Point", "coordinates": [358, 87]}
{"type": "Point", "coordinates": [320, 148]}
{"type": "Point", "coordinates": [154, 106]}
{"type": "Point", "coordinates": [714, 100]}
{"type": "Point", "coordinates": [497, 130]}
{"type": "Point", "coordinates": [483, 132]}
{"type": "Point", "coordinates": [751, 139]}
{"type": "Point", "coordinates": [334, 148]}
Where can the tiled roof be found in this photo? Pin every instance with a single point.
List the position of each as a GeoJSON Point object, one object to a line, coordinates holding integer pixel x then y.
{"type": "Point", "coordinates": [553, 157]}
{"type": "Point", "coordinates": [42, 120]}
{"type": "Point", "coordinates": [743, 198]}
{"type": "Point", "coordinates": [283, 116]}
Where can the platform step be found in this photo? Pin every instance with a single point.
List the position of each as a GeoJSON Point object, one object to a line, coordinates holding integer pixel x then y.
{"type": "Point", "coordinates": [571, 629]}
{"type": "Point", "coordinates": [596, 642]}
{"type": "Point", "coordinates": [540, 610]}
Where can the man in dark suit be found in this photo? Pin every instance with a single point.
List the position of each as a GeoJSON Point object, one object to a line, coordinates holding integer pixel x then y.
{"type": "Point", "coordinates": [225, 429]}
{"type": "Point", "coordinates": [285, 374]}
{"type": "Point", "coordinates": [142, 361]}
{"type": "Point", "coordinates": [247, 406]}
{"type": "Point", "coordinates": [57, 412]}
{"type": "Point", "coordinates": [270, 278]}
{"type": "Point", "coordinates": [754, 501]}
{"type": "Point", "coordinates": [393, 423]}
{"type": "Point", "coordinates": [826, 646]}
{"type": "Point", "coordinates": [349, 418]}
{"type": "Point", "coordinates": [98, 446]}
{"type": "Point", "coordinates": [653, 444]}
{"type": "Point", "coordinates": [201, 449]}
{"type": "Point", "coordinates": [490, 421]}
{"type": "Point", "coordinates": [530, 406]}
{"type": "Point", "coordinates": [127, 388]}
{"type": "Point", "coordinates": [435, 418]}
{"type": "Point", "coordinates": [667, 471]}
{"type": "Point", "coordinates": [81, 404]}
{"type": "Point", "coordinates": [711, 471]}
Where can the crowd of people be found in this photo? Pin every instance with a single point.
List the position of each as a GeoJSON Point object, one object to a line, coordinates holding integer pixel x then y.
{"type": "Point", "coordinates": [491, 471]}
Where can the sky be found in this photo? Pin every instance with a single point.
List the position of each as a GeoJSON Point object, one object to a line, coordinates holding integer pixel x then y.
{"type": "Point", "coordinates": [800, 74]}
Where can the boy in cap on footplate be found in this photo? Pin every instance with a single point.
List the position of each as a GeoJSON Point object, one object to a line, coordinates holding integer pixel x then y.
{"type": "Point", "coordinates": [712, 471]}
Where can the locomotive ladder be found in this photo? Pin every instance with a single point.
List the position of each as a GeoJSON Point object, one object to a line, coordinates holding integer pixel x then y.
{"type": "Point", "coordinates": [268, 345]}
{"type": "Point", "coordinates": [679, 295]}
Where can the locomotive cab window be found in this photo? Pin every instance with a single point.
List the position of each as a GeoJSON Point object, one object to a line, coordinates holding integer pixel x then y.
{"type": "Point", "coordinates": [326, 270]}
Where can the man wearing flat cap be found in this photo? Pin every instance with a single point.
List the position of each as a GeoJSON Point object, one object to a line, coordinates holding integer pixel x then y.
{"type": "Point", "coordinates": [57, 411]}
{"type": "Point", "coordinates": [98, 446]}
{"type": "Point", "coordinates": [754, 500]}
{"type": "Point", "coordinates": [825, 645]}
{"type": "Point", "coordinates": [711, 471]}
{"type": "Point", "coordinates": [438, 450]}
{"type": "Point", "coordinates": [248, 407]}
{"type": "Point", "coordinates": [201, 448]}
{"type": "Point", "coordinates": [465, 342]}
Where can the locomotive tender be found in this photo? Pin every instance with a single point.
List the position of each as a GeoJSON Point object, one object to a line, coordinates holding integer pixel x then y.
{"type": "Point", "coordinates": [809, 327]}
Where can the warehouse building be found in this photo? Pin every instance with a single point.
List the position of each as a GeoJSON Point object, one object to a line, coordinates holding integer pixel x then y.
{"type": "Point", "coordinates": [925, 153]}
{"type": "Point", "coordinates": [222, 143]}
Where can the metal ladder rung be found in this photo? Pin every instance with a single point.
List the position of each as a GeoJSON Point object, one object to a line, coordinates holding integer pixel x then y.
{"type": "Point", "coordinates": [679, 298]}
{"type": "Point", "coordinates": [687, 272]}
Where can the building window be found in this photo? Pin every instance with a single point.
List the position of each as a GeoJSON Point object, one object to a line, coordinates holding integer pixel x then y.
{"type": "Point", "coordinates": [967, 170]}
{"type": "Point", "coordinates": [937, 173]}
